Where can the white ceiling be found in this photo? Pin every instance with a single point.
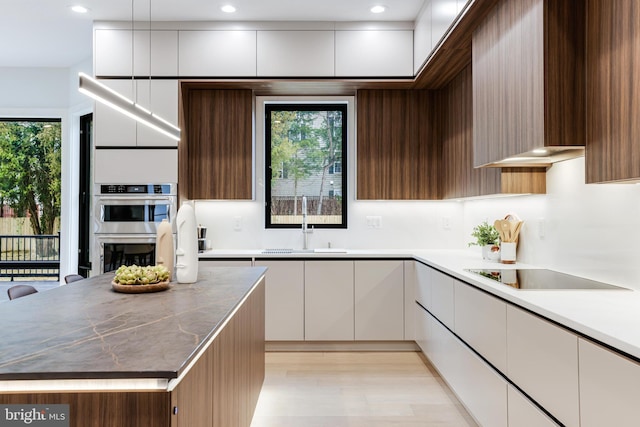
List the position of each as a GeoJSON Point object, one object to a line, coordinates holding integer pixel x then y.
{"type": "Point", "coordinates": [46, 33]}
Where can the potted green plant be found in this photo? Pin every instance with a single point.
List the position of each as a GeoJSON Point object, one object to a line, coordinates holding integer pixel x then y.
{"type": "Point", "coordinates": [487, 237]}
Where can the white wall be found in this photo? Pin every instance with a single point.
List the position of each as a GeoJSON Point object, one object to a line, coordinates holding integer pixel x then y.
{"type": "Point", "coordinates": [52, 93]}
{"type": "Point", "coordinates": [588, 230]}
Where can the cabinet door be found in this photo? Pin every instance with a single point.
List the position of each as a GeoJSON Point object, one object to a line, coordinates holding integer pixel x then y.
{"type": "Point", "coordinates": [542, 359]}
{"type": "Point", "coordinates": [112, 128]}
{"type": "Point", "coordinates": [284, 300]}
{"type": "Point", "coordinates": [217, 53]}
{"type": "Point", "coordinates": [328, 301]}
{"type": "Point", "coordinates": [379, 300]}
{"type": "Point", "coordinates": [423, 285]}
{"type": "Point", "coordinates": [609, 387]}
{"type": "Point", "coordinates": [481, 321]}
{"type": "Point", "coordinates": [409, 300]}
{"type": "Point", "coordinates": [113, 53]}
{"type": "Point", "coordinates": [442, 301]}
{"type": "Point", "coordinates": [523, 413]}
{"type": "Point", "coordinates": [122, 166]}
{"type": "Point", "coordinates": [161, 98]}
{"type": "Point", "coordinates": [482, 391]}
{"type": "Point", "coordinates": [216, 162]}
{"type": "Point", "coordinates": [296, 53]}
{"type": "Point", "coordinates": [374, 53]}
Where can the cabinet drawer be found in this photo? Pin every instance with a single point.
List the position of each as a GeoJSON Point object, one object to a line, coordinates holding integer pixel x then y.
{"type": "Point", "coordinates": [442, 301]}
{"type": "Point", "coordinates": [523, 413]}
{"type": "Point", "coordinates": [423, 285]}
{"type": "Point", "coordinates": [542, 359]}
{"type": "Point", "coordinates": [609, 387]}
{"type": "Point", "coordinates": [481, 321]}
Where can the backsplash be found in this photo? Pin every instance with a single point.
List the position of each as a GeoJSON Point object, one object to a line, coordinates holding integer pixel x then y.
{"type": "Point", "coordinates": [588, 230]}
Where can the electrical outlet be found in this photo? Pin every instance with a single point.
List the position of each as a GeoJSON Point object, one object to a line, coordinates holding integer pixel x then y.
{"type": "Point", "coordinates": [542, 228]}
{"type": "Point", "coordinates": [374, 221]}
{"type": "Point", "coordinates": [446, 222]}
{"type": "Point", "coordinates": [237, 223]}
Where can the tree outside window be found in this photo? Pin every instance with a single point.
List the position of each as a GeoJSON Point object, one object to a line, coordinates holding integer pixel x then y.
{"type": "Point", "coordinates": [305, 157]}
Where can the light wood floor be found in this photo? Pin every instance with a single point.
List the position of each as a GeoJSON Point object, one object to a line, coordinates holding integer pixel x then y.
{"type": "Point", "coordinates": [359, 389]}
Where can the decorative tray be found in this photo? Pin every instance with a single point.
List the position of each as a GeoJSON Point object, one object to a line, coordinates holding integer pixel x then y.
{"type": "Point", "coordinates": [141, 289]}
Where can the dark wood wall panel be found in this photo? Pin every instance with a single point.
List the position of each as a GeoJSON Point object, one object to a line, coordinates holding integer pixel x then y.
{"type": "Point", "coordinates": [104, 409]}
{"type": "Point", "coordinates": [613, 92]}
{"type": "Point", "coordinates": [528, 78]}
{"type": "Point", "coordinates": [460, 179]}
{"type": "Point", "coordinates": [216, 155]}
{"type": "Point", "coordinates": [397, 151]}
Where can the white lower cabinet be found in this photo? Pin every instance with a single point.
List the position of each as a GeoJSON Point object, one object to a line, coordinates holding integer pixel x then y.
{"type": "Point", "coordinates": [523, 413]}
{"type": "Point", "coordinates": [379, 300]}
{"type": "Point", "coordinates": [329, 301]}
{"type": "Point", "coordinates": [284, 300]}
{"type": "Point", "coordinates": [609, 387]}
{"type": "Point", "coordinates": [542, 359]}
{"type": "Point", "coordinates": [423, 285]}
{"type": "Point", "coordinates": [442, 300]}
{"type": "Point", "coordinates": [479, 387]}
{"type": "Point", "coordinates": [481, 321]}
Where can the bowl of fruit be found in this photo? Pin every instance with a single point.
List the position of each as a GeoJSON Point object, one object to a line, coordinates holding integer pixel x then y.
{"type": "Point", "coordinates": [134, 279]}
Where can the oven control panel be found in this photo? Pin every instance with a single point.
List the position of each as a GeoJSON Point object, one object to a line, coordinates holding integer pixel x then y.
{"type": "Point", "coordinates": [135, 189]}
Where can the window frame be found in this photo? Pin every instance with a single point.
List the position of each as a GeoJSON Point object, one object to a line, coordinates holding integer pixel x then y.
{"type": "Point", "coordinates": [270, 106]}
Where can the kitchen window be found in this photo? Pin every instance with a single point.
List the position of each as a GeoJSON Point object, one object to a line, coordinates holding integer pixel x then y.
{"type": "Point", "coordinates": [306, 158]}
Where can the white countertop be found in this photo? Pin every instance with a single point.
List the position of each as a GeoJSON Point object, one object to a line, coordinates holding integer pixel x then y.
{"type": "Point", "coordinates": [609, 316]}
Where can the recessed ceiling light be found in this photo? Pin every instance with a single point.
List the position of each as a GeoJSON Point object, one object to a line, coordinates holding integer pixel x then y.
{"type": "Point", "coordinates": [227, 8]}
{"type": "Point", "coordinates": [378, 9]}
{"type": "Point", "coordinates": [79, 9]}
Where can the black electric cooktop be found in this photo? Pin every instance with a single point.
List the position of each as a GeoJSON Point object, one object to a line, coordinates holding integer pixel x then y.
{"type": "Point", "coordinates": [541, 279]}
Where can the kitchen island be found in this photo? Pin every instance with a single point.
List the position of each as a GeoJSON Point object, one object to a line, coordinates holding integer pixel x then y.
{"type": "Point", "coordinates": [189, 356]}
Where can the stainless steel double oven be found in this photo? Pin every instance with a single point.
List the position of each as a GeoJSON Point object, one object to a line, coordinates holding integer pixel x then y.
{"type": "Point", "coordinates": [126, 217]}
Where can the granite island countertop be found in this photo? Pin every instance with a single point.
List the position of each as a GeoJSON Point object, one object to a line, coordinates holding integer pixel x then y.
{"type": "Point", "coordinates": [85, 330]}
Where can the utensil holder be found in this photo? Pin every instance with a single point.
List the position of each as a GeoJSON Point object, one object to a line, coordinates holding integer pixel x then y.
{"type": "Point", "coordinates": [508, 252]}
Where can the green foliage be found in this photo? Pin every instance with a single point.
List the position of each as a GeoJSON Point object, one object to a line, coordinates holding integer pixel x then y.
{"type": "Point", "coordinates": [485, 234]}
{"type": "Point", "coordinates": [30, 171]}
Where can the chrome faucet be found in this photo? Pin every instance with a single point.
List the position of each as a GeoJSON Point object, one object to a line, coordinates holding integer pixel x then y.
{"type": "Point", "coordinates": [305, 227]}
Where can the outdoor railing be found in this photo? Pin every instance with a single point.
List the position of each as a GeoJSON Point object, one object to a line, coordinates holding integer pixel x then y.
{"type": "Point", "coordinates": [30, 256]}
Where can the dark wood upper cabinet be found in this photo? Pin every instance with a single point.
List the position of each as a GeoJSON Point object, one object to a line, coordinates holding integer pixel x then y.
{"type": "Point", "coordinates": [613, 91]}
{"type": "Point", "coordinates": [215, 157]}
{"type": "Point", "coordinates": [397, 151]}
{"type": "Point", "coordinates": [529, 81]}
{"type": "Point", "coordinates": [459, 178]}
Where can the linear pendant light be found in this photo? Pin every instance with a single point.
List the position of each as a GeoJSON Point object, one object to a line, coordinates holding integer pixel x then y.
{"type": "Point", "coordinates": [96, 90]}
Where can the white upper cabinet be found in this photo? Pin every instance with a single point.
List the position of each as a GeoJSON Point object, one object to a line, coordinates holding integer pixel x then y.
{"type": "Point", "coordinates": [422, 37]}
{"type": "Point", "coordinates": [443, 13]}
{"type": "Point", "coordinates": [374, 53]}
{"type": "Point", "coordinates": [161, 98]}
{"type": "Point", "coordinates": [115, 166]}
{"type": "Point", "coordinates": [113, 52]}
{"type": "Point", "coordinates": [217, 53]}
{"type": "Point", "coordinates": [112, 128]}
{"type": "Point", "coordinates": [296, 53]}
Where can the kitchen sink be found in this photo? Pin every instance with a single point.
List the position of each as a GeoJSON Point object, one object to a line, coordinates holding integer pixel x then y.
{"type": "Point", "coordinates": [285, 251]}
